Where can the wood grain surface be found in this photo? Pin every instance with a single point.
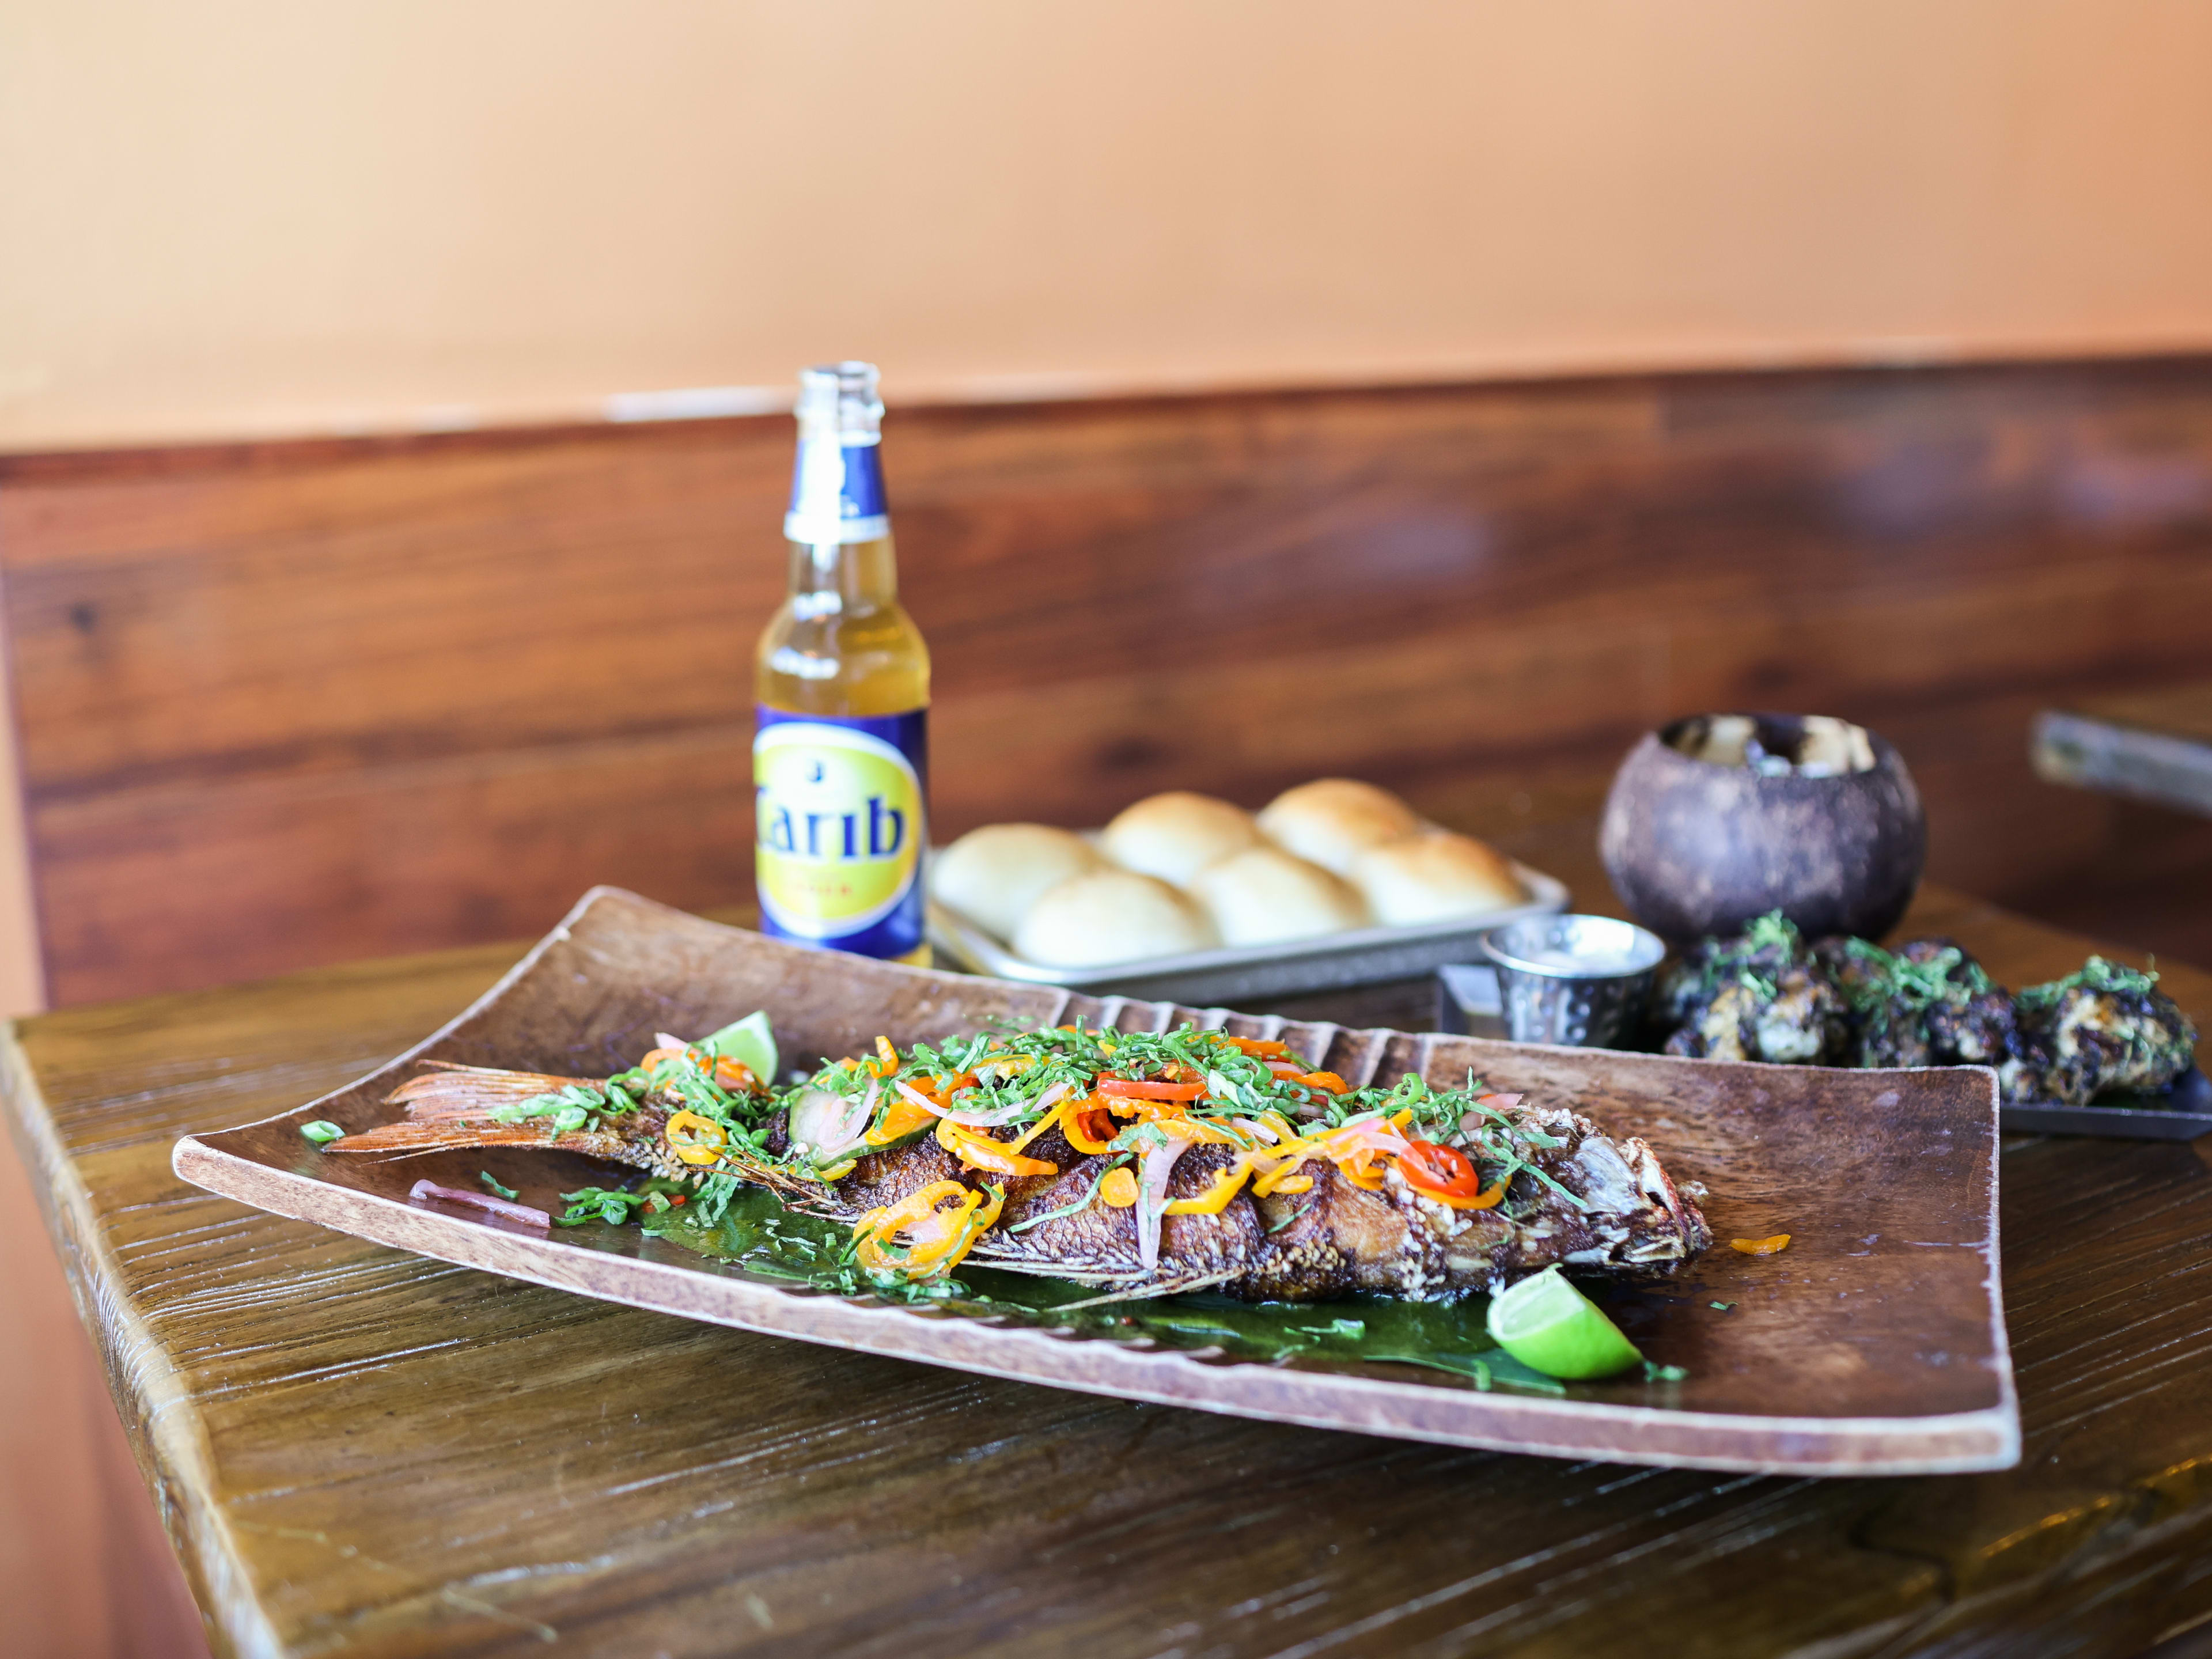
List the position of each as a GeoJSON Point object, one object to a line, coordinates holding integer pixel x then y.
{"type": "Point", "coordinates": [283, 704]}
{"type": "Point", "coordinates": [359, 1450]}
{"type": "Point", "coordinates": [1877, 1346]}
{"type": "Point", "coordinates": [2152, 746]}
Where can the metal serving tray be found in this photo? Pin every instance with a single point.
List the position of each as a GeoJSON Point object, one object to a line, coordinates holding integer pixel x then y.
{"type": "Point", "coordinates": [1363, 956]}
{"type": "Point", "coordinates": [2182, 1112]}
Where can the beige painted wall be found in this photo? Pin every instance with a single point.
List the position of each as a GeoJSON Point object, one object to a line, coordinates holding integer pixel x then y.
{"type": "Point", "coordinates": [258, 215]}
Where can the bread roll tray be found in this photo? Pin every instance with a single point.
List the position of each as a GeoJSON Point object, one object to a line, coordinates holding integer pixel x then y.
{"type": "Point", "coordinates": [1231, 973]}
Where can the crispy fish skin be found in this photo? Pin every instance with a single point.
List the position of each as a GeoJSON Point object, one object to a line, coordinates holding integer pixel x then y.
{"type": "Point", "coordinates": [1099, 1241]}
{"type": "Point", "coordinates": [1335, 1239]}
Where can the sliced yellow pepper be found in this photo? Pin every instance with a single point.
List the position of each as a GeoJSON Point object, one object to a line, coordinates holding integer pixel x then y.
{"type": "Point", "coordinates": [980, 1152]}
{"type": "Point", "coordinates": [696, 1139]}
{"type": "Point", "coordinates": [1038, 1128]}
{"type": "Point", "coordinates": [1073, 1124]}
{"type": "Point", "coordinates": [937, 1237]}
{"type": "Point", "coordinates": [1119, 1188]}
{"type": "Point", "coordinates": [1215, 1199]}
{"type": "Point", "coordinates": [1281, 1177]}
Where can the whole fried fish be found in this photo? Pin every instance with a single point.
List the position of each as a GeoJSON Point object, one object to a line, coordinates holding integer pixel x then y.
{"type": "Point", "coordinates": [1144, 1164]}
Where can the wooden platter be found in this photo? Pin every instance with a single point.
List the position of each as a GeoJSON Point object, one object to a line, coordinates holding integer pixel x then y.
{"type": "Point", "coordinates": [1874, 1345]}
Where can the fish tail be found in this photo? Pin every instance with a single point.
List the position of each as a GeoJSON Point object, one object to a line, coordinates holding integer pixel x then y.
{"type": "Point", "coordinates": [451, 1091]}
{"type": "Point", "coordinates": [452, 1133]}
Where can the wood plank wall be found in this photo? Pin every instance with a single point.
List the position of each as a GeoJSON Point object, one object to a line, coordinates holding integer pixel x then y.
{"type": "Point", "coordinates": [291, 703]}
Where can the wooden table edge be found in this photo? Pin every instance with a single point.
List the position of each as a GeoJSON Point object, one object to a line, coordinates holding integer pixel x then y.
{"type": "Point", "coordinates": [165, 1433]}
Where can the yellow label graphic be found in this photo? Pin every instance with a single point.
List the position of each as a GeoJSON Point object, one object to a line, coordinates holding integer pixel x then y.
{"type": "Point", "coordinates": [839, 831]}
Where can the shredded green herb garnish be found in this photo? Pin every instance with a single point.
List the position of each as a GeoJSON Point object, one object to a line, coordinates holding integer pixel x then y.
{"type": "Point", "coordinates": [2095, 975]}
{"type": "Point", "coordinates": [484, 1176]}
{"type": "Point", "coordinates": [322, 1132]}
{"type": "Point", "coordinates": [606, 1204]}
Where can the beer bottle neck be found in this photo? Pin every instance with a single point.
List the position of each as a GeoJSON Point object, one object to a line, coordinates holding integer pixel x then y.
{"type": "Point", "coordinates": [834, 578]}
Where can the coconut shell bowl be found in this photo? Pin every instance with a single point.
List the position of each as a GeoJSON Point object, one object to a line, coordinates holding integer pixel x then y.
{"type": "Point", "coordinates": [1718, 818]}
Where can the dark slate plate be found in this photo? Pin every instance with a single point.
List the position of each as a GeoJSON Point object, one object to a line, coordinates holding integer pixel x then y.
{"type": "Point", "coordinates": [2182, 1112]}
{"type": "Point", "coordinates": [1874, 1345]}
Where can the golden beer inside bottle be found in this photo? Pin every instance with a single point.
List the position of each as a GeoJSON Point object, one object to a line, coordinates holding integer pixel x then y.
{"type": "Point", "coordinates": [841, 646]}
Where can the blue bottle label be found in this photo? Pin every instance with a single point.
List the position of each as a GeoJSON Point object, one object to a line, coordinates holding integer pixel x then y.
{"type": "Point", "coordinates": [841, 827]}
{"type": "Point", "coordinates": [836, 493]}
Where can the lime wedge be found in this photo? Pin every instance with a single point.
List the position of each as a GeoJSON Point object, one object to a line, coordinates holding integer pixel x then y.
{"type": "Point", "coordinates": [750, 1042]}
{"type": "Point", "coordinates": [1551, 1327]}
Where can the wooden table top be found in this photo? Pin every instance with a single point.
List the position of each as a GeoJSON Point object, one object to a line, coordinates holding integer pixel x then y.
{"type": "Point", "coordinates": [2155, 745]}
{"type": "Point", "coordinates": [361, 1451]}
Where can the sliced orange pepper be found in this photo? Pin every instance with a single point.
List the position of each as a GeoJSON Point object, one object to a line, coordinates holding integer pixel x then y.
{"type": "Point", "coordinates": [901, 1118]}
{"type": "Point", "coordinates": [941, 1090]}
{"type": "Point", "coordinates": [696, 1139]}
{"type": "Point", "coordinates": [980, 1152]}
{"type": "Point", "coordinates": [1328, 1080]}
{"type": "Point", "coordinates": [1772, 1246]}
{"type": "Point", "coordinates": [734, 1075]}
{"type": "Point", "coordinates": [1487, 1198]}
{"type": "Point", "coordinates": [1256, 1046]}
{"type": "Point", "coordinates": [1195, 1129]}
{"type": "Point", "coordinates": [1119, 1188]}
{"type": "Point", "coordinates": [657, 1055]}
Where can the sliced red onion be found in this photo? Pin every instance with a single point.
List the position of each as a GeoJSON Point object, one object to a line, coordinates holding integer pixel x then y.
{"type": "Point", "coordinates": [1257, 1130]}
{"type": "Point", "coordinates": [825, 1122]}
{"type": "Point", "coordinates": [1006, 1115]}
{"type": "Point", "coordinates": [662, 1040]}
{"type": "Point", "coordinates": [1498, 1102]}
{"type": "Point", "coordinates": [522, 1213]}
{"type": "Point", "coordinates": [846, 1131]}
{"type": "Point", "coordinates": [992, 1120]}
{"type": "Point", "coordinates": [1153, 1168]}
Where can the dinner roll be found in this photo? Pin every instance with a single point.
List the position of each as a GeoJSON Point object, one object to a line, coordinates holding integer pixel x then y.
{"type": "Point", "coordinates": [1262, 894]}
{"type": "Point", "coordinates": [1434, 875]}
{"type": "Point", "coordinates": [1332, 821]}
{"type": "Point", "coordinates": [993, 875]}
{"type": "Point", "coordinates": [1110, 915]}
{"type": "Point", "coordinates": [1176, 835]}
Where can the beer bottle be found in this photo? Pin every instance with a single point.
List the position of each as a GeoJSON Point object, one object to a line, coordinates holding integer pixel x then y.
{"type": "Point", "coordinates": [842, 689]}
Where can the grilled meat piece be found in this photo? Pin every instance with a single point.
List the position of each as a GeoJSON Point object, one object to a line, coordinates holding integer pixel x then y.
{"type": "Point", "coordinates": [1760, 996]}
{"type": "Point", "coordinates": [2102, 1030]}
{"type": "Point", "coordinates": [1928, 1004]}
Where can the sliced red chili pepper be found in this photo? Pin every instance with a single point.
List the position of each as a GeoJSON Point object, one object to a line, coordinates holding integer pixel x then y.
{"type": "Point", "coordinates": [1130, 1087]}
{"type": "Point", "coordinates": [1443, 1170]}
{"type": "Point", "coordinates": [1089, 1125]}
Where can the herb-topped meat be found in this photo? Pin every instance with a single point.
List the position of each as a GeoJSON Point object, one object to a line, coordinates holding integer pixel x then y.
{"type": "Point", "coordinates": [2101, 1028]}
{"type": "Point", "coordinates": [1761, 996]}
{"type": "Point", "coordinates": [1927, 1004]}
{"type": "Point", "coordinates": [1767, 995]}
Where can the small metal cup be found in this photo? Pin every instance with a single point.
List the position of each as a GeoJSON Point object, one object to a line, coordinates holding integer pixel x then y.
{"type": "Point", "coordinates": [1579, 981]}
